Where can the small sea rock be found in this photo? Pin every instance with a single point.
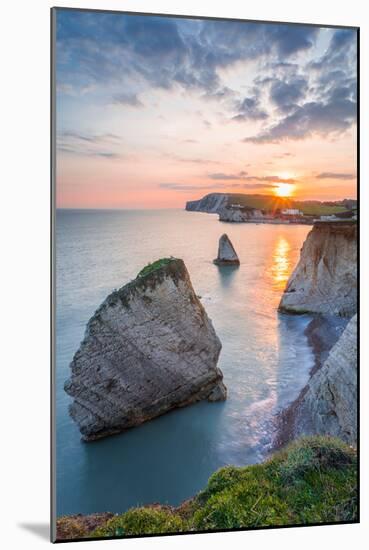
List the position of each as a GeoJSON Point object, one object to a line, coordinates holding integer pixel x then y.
{"type": "Point", "coordinates": [226, 252]}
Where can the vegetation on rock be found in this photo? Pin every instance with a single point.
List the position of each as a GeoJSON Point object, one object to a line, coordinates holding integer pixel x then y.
{"type": "Point", "coordinates": [313, 480]}
{"type": "Point", "coordinates": [149, 268]}
{"type": "Point", "coordinates": [137, 521]}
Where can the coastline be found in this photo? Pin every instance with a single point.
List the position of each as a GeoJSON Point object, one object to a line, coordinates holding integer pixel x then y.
{"type": "Point", "coordinates": [322, 333]}
{"type": "Point", "coordinates": [269, 222]}
{"type": "Point", "coordinates": [321, 336]}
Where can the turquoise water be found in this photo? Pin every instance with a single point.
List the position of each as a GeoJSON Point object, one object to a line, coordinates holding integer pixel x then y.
{"type": "Point", "coordinates": [265, 358]}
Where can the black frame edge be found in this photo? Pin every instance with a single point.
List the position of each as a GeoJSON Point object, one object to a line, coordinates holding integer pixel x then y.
{"type": "Point", "coordinates": [52, 275]}
{"type": "Point", "coordinates": [206, 17]}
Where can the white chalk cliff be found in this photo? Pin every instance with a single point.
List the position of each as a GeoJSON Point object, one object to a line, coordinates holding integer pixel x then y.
{"type": "Point", "coordinates": [329, 403]}
{"type": "Point", "coordinates": [211, 203]}
{"type": "Point", "coordinates": [325, 279]}
{"type": "Point", "coordinates": [150, 347]}
{"type": "Point", "coordinates": [240, 215]}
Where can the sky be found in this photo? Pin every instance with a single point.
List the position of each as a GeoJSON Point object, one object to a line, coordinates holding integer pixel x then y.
{"type": "Point", "coordinates": [155, 111]}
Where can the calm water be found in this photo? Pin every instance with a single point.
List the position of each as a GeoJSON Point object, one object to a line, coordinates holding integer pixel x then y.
{"type": "Point", "coordinates": [265, 357]}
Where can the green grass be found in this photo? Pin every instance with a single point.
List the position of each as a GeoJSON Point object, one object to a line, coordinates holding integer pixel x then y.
{"type": "Point", "coordinates": [149, 268]}
{"type": "Point", "coordinates": [262, 202]}
{"type": "Point", "coordinates": [318, 209]}
{"type": "Point", "coordinates": [313, 480]}
{"type": "Point", "coordinates": [141, 520]}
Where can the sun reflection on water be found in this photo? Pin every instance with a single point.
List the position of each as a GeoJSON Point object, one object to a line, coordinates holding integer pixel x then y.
{"type": "Point", "coordinates": [281, 266]}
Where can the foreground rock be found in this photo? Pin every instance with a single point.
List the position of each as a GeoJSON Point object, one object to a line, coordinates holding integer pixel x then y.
{"type": "Point", "coordinates": [150, 347]}
{"type": "Point", "coordinates": [325, 279]}
{"type": "Point", "coordinates": [328, 405]}
{"type": "Point", "coordinates": [226, 252]}
{"type": "Point", "coordinates": [80, 526]}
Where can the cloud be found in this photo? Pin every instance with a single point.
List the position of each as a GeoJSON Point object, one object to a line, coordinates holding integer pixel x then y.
{"type": "Point", "coordinates": [70, 90]}
{"type": "Point", "coordinates": [91, 138]}
{"type": "Point", "coordinates": [316, 98]}
{"type": "Point", "coordinates": [165, 52]}
{"type": "Point", "coordinates": [221, 176]}
{"type": "Point", "coordinates": [139, 53]}
{"type": "Point", "coordinates": [257, 186]}
{"type": "Point", "coordinates": [283, 155]}
{"type": "Point", "coordinates": [331, 118]}
{"type": "Point", "coordinates": [221, 93]}
{"type": "Point", "coordinates": [89, 152]}
{"type": "Point", "coordinates": [127, 99]}
{"type": "Point", "coordinates": [335, 176]}
{"type": "Point", "coordinates": [90, 145]}
{"type": "Point", "coordinates": [178, 158]}
{"type": "Point", "coordinates": [245, 177]}
{"type": "Point", "coordinates": [274, 179]}
{"type": "Point", "coordinates": [290, 39]}
{"type": "Point", "coordinates": [286, 94]}
{"type": "Point", "coordinates": [341, 47]}
{"type": "Point", "coordinates": [249, 109]}
{"type": "Point", "coordinates": [335, 71]}
{"type": "Point", "coordinates": [185, 187]}
{"type": "Point", "coordinates": [214, 186]}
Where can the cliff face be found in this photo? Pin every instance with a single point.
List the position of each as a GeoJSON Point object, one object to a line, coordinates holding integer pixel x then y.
{"type": "Point", "coordinates": [329, 404]}
{"type": "Point", "coordinates": [211, 203]}
{"type": "Point", "coordinates": [150, 347]}
{"type": "Point", "coordinates": [325, 279]}
{"type": "Point", "coordinates": [237, 215]}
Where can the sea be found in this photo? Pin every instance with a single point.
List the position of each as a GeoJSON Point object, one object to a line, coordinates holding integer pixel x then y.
{"type": "Point", "coordinates": [265, 356]}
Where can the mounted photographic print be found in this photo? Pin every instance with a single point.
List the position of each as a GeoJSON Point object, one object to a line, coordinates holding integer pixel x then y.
{"type": "Point", "coordinates": [204, 258]}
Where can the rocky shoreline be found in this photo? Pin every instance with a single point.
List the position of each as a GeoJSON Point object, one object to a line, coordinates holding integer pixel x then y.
{"type": "Point", "coordinates": [324, 283]}
{"type": "Point", "coordinates": [322, 334]}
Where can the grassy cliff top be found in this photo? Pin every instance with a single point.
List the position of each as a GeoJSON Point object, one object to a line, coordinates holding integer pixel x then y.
{"type": "Point", "coordinates": [313, 480]}
{"type": "Point", "coordinates": [173, 267]}
{"type": "Point", "coordinates": [149, 268]}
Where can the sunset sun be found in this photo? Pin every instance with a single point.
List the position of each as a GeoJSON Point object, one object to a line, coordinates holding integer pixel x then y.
{"type": "Point", "coordinates": [284, 189]}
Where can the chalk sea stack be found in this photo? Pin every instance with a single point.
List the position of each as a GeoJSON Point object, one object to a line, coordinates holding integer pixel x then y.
{"type": "Point", "coordinates": [226, 252]}
{"type": "Point", "coordinates": [150, 347]}
{"type": "Point", "coordinates": [325, 279]}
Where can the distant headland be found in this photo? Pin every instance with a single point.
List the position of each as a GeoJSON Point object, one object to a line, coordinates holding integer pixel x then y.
{"type": "Point", "coordinates": [244, 208]}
